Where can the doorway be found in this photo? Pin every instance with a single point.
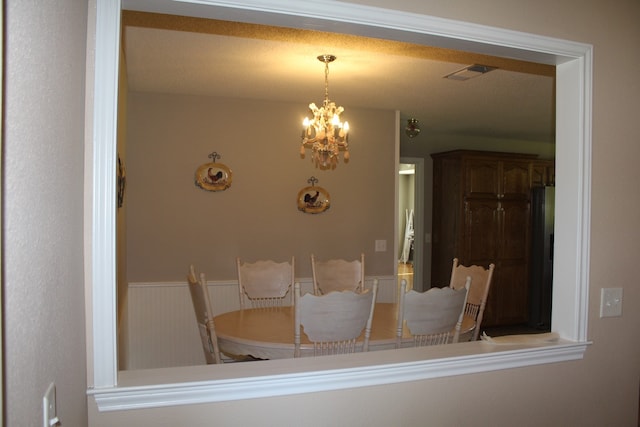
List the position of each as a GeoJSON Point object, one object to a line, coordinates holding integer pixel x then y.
{"type": "Point", "coordinates": [410, 227]}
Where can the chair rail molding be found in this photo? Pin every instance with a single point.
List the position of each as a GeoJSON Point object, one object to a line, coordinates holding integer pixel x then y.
{"type": "Point", "coordinates": [313, 380]}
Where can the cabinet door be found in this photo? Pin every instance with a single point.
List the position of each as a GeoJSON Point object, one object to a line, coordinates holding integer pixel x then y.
{"type": "Point", "coordinates": [538, 175]}
{"type": "Point", "coordinates": [482, 178]}
{"type": "Point", "coordinates": [514, 230]}
{"type": "Point", "coordinates": [512, 278]}
{"type": "Point", "coordinates": [515, 182]}
{"type": "Point", "coordinates": [498, 232]}
{"type": "Point", "coordinates": [481, 238]}
{"type": "Point", "coordinates": [487, 178]}
{"type": "Point", "coordinates": [543, 173]}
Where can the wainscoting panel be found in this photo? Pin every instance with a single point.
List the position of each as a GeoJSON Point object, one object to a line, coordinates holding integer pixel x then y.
{"type": "Point", "coordinates": [161, 329]}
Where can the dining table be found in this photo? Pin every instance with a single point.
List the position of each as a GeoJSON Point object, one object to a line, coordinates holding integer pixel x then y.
{"type": "Point", "coordinates": [268, 333]}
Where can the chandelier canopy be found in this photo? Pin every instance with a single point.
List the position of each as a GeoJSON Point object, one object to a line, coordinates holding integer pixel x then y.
{"type": "Point", "coordinates": [325, 134]}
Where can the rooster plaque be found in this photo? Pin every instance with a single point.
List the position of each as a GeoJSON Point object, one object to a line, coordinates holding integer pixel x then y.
{"type": "Point", "coordinates": [313, 199]}
{"type": "Point", "coordinates": [213, 176]}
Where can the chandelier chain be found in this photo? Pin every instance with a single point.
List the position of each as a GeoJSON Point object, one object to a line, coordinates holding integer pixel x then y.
{"type": "Point", "coordinates": [326, 83]}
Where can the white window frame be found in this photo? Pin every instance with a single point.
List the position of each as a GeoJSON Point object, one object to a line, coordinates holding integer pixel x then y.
{"type": "Point", "coordinates": [172, 386]}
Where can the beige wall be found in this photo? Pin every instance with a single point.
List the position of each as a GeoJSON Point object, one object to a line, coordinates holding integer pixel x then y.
{"type": "Point", "coordinates": [532, 397]}
{"type": "Point", "coordinates": [172, 223]}
{"type": "Point", "coordinates": [43, 210]}
{"type": "Point", "coordinates": [170, 136]}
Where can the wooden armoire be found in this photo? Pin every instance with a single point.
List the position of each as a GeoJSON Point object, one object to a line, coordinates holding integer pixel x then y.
{"type": "Point", "coordinates": [482, 215]}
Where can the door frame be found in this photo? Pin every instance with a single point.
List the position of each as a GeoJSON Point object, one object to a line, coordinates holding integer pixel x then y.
{"type": "Point", "coordinates": [418, 221]}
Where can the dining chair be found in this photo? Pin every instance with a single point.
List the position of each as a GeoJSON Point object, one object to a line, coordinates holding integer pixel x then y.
{"type": "Point", "coordinates": [432, 317]}
{"type": "Point", "coordinates": [334, 321]}
{"type": "Point", "coordinates": [204, 316]}
{"type": "Point", "coordinates": [337, 275]}
{"type": "Point", "coordinates": [265, 283]}
{"type": "Point", "coordinates": [478, 293]}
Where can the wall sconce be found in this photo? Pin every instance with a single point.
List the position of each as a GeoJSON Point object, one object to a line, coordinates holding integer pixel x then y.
{"type": "Point", "coordinates": [412, 130]}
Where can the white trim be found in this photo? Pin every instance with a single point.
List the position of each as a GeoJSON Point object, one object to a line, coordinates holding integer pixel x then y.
{"type": "Point", "coordinates": [187, 393]}
{"type": "Point", "coordinates": [103, 261]}
{"type": "Point", "coordinates": [574, 135]}
{"type": "Point", "coordinates": [367, 20]}
{"type": "Point", "coordinates": [418, 225]}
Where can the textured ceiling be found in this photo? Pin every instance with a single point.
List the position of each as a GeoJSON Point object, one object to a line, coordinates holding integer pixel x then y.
{"type": "Point", "coordinates": [170, 54]}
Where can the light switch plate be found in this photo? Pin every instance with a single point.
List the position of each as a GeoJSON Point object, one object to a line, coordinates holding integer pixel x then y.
{"type": "Point", "coordinates": [49, 416]}
{"type": "Point", "coordinates": [381, 245]}
{"type": "Point", "coordinates": [610, 302]}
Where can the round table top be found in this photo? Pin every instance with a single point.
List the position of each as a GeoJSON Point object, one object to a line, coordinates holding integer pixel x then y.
{"type": "Point", "coordinates": [268, 333]}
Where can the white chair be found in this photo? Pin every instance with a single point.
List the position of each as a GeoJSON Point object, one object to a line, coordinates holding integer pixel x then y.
{"type": "Point", "coordinates": [432, 317]}
{"type": "Point", "coordinates": [265, 283]}
{"type": "Point", "coordinates": [478, 293]}
{"type": "Point", "coordinates": [334, 321]}
{"type": "Point", "coordinates": [337, 275]}
{"type": "Point", "coordinates": [204, 316]}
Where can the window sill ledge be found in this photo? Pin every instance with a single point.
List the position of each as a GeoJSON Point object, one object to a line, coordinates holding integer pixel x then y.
{"type": "Point", "coordinates": [154, 388]}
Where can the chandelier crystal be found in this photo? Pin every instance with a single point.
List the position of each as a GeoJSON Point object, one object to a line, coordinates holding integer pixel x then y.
{"type": "Point", "coordinates": [325, 134]}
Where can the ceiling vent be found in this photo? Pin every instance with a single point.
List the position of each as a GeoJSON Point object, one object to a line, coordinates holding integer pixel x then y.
{"type": "Point", "coordinates": [469, 72]}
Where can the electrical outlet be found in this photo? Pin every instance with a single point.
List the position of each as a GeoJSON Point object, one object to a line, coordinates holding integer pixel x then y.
{"type": "Point", "coordinates": [610, 302]}
{"type": "Point", "coordinates": [381, 245]}
{"type": "Point", "coordinates": [49, 416]}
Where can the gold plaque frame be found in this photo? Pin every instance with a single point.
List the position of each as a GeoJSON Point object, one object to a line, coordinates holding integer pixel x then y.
{"type": "Point", "coordinates": [313, 200]}
{"type": "Point", "coordinates": [213, 177]}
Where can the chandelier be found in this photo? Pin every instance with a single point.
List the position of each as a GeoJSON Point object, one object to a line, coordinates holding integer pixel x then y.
{"type": "Point", "coordinates": [325, 134]}
{"type": "Point", "coordinates": [413, 129]}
